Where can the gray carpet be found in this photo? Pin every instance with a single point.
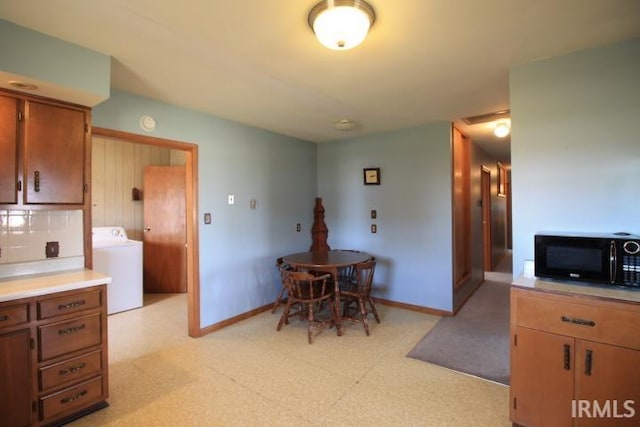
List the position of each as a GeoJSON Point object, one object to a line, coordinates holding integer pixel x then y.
{"type": "Point", "coordinates": [476, 340]}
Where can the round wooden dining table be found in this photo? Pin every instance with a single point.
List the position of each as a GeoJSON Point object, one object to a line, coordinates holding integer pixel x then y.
{"type": "Point", "coordinates": [329, 262]}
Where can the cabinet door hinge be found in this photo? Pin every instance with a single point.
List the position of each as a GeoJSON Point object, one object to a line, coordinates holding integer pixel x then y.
{"type": "Point", "coordinates": [85, 188]}
{"type": "Point", "coordinates": [86, 127]}
{"type": "Point", "coordinates": [32, 343]}
{"type": "Point", "coordinates": [515, 403]}
{"type": "Point", "coordinates": [19, 116]}
{"type": "Point", "coordinates": [515, 340]}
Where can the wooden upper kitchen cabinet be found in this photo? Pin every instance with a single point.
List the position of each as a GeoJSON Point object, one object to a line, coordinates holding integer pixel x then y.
{"type": "Point", "coordinates": [8, 149]}
{"type": "Point", "coordinates": [575, 360]}
{"type": "Point", "coordinates": [54, 153]}
{"type": "Point", "coordinates": [47, 151]}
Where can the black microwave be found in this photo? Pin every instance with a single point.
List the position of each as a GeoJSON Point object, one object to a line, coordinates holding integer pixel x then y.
{"type": "Point", "coordinates": [611, 259]}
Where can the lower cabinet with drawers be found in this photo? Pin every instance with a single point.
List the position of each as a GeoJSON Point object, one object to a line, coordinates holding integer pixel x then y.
{"type": "Point", "coordinates": [53, 357]}
{"type": "Point", "coordinates": [575, 360]}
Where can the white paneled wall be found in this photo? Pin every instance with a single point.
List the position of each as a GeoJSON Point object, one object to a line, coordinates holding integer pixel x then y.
{"type": "Point", "coordinates": [24, 234]}
{"type": "Point", "coordinates": [117, 168]}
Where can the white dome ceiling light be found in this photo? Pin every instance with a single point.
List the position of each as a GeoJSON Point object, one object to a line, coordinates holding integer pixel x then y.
{"type": "Point", "coordinates": [341, 24]}
{"type": "Point", "coordinates": [502, 129]}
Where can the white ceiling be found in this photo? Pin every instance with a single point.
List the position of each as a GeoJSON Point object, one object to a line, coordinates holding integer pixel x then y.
{"type": "Point", "coordinates": [257, 62]}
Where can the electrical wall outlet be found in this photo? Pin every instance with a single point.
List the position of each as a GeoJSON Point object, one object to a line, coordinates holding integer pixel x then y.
{"type": "Point", "coordinates": [298, 227]}
{"type": "Point", "coordinates": [52, 249]}
{"type": "Point", "coordinates": [207, 218]}
{"type": "Point", "coordinates": [374, 228]}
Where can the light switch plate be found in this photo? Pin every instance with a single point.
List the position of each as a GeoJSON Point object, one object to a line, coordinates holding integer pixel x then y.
{"type": "Point", "coordinates": [207, 218]}
{"type": "Point", "coordinates": [231, 199]}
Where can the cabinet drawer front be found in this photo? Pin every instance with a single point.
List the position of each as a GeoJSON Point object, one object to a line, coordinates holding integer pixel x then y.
{"type": "Point", "coordinates": [68, 304]}
{"type": "Point", "coordinates": [589, 320]}
{"type": "Point", "coordinates": [71, 399]}
{"type": "Point", "coordinates": [11, 316]}
{"type": "Point", "coordinates": [71, 335]}
{"type": "Point", "coordinates": [75, 369]}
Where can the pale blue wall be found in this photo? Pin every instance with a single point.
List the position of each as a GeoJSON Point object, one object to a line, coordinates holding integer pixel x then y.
{"type": "Point", "coordinates": [238, 250]}
{"type": "Point", "coordinates": [413, 242]}
{"type": "Point", "coordinates": [35, 55]}
{"type": "Point", "coordinates": [575, 146]}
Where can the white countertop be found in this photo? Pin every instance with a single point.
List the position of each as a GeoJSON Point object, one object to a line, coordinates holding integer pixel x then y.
{"type": "Point", "coordinates": [13, 288]}
{"type": "Point", "coordinates": [608, 292]}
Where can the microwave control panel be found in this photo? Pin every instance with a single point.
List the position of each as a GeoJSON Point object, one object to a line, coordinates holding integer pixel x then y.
{"type": "Point", "coordinates": [631, 263]}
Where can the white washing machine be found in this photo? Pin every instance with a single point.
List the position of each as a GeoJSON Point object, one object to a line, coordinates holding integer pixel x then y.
{"type": "Point", "coordinates": [121, 259]}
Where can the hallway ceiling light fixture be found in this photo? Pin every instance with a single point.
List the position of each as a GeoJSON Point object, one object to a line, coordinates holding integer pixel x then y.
{"type": "Point", "coordinates": [346, 125]}
{"type": "Point", "coordinates": [341, 24]}
{"type": "Point", "coordinates": [502, 129]}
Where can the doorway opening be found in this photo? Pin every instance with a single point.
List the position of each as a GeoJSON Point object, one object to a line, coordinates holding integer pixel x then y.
{"type": "Point", "coordinates": [191, 213]}
{"type": "Point", "coordinates": [487, 245]}
{"type": "Point", "coordinates": [496, 223]}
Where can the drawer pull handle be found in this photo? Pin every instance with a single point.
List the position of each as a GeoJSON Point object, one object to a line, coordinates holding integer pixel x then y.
{"type": "Point", "coordinates": [76, 396]}
{"type": "Point", "coordinates": [72, 369]}
{"type": "Point", "coordinates": [71, 305]}
{"type": "Point", "coordinates": [578, 321]}
{"type": "Point", "coordinates": [71, 330]}
{"type": "Point", "coordinates": [588, 361]}
{"type": "Point", "coordinates": [567, 357]}
{"type": "Point", "coordinates": [3, 318]}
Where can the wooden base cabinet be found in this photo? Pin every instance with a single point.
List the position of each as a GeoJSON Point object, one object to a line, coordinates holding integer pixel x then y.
{"type": "Point", "coordinates": [15, 376]}
{"type": "Point", "coordinates": [53, 354]}
{"type": "Point", "coordinates": [575, 361]}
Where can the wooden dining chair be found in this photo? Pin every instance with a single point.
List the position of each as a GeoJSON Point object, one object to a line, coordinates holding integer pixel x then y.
{"type": "Point", "coordinates": [356, 299]}
{"type": "Point", "coordinates": [347, 274]}
{"type": "Point", "coordinates": [282, 268]}
{"type": "Point", "coordinates": [309, 292]}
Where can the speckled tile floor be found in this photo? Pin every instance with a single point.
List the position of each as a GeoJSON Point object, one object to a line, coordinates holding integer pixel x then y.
{"type": "Point", "coordinates": [250, 375]}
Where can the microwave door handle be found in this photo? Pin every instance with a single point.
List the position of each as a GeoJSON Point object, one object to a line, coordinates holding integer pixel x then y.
{"type": "Point", "coordinates": [613, 258]}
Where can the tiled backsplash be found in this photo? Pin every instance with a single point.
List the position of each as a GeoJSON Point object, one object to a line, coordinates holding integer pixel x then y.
{"type": "Point", "coordinates": [24, 234]}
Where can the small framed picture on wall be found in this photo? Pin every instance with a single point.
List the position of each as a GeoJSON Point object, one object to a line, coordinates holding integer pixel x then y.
{"type": "Point", "coordinates": [502, 180]}
{"type": "Point", "coordinates": [371, 176]}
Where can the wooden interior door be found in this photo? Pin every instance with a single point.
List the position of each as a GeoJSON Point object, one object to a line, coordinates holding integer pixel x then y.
{"type": "Point", "coordinates": [461, 208]}
{"type": "Point", "coordinates": [164, 237]}
{"type": "Point", "coordinates": [487, 243]}
{"type": "Point", "coordinates": [611, 377]}
{"type": "Point", "coordinates": [542, 372]}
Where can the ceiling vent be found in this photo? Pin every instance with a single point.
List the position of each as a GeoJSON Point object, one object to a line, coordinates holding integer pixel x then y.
{"type": "Point", "coordinates": [486, 118]}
